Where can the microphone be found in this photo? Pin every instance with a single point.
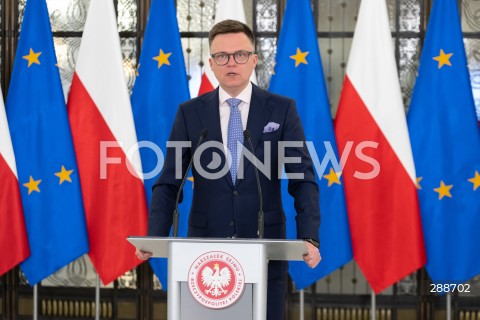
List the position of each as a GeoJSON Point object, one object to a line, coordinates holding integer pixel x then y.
{"type": "Point", "coordinates": [261, 223]}
{"type": "Point", "coordinates": [203, 135]}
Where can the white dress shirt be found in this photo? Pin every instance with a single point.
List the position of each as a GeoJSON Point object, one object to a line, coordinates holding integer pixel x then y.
{"type": "Point", "coordinates": [244, 107]}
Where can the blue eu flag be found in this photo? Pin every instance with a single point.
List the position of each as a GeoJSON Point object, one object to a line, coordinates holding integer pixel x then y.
{"type": "Point", "coordinates": [446, 148]}
{"type": "Point", "coordinates": [42, 141]}
{"type": "Point", "coordinates": [160, 87]}
{"type": "Point", "coordinates": [299, 75]}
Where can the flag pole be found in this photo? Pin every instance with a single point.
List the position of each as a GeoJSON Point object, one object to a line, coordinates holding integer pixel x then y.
{"type": "Point", "coordinates": [372, 307]}
{"type": "Point", "coordinates": [97, 298]}
{"type": "Point", "coordinates": [35, 302]}
{"type": "Point", "coordinates": [449, 306]}
{"type": "Point", "coordinates": [302, 304]}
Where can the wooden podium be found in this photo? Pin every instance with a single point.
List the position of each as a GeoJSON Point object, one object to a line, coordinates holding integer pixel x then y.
{"type": "Point", "coordinates": [212, 278]}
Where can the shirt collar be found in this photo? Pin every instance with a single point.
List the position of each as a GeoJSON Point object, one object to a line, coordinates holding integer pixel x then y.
{"type": "Point", "coordinates": [245, 95]}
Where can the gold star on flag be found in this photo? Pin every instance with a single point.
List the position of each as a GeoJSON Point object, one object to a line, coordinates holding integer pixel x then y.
{"type": "Point", "coordinates": [475, 180]}
{"type": "Point", "coordinates": [273, 68]}
{"type": "Point", "coordinates": [191, 179]}
{"type": "Point", "coordinates": [443, 190]}
{"type": "Point", "coordinates": [443, 59]}
{"type": "Point", "coordinates": [64, 175]}
{"type": "Point", "coordinates": [162, 58]}
{"type": "Point", "coordinates": [32, 185]}
{"type": "Point", "coordinates": [300, 57]}
{"type": "Point", "coordinates": [419, 187]}
{"type": "Point", "coordinates": [332, 177]}
{"type": "Point", "coordinates": [32, 57]}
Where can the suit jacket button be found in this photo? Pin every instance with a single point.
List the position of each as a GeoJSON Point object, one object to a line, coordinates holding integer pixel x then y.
{"type": "Point", "coordinates": [232, 223]}
{"type": "Point", "coordinates": [235, 193]}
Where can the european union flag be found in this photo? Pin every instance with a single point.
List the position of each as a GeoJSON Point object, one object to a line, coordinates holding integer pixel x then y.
{"type": "Point", "coordinates": [299, 75]}
{"type": "Point", "coordinates": [446, 149]}
{"type": "Point", "coordinates": [41, 138]}
{"type": "Point", "coordinates": [160, 87]}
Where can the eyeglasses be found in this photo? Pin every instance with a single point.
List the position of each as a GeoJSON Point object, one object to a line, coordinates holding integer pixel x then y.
{"type": "Point", "coordinates": [240, 57]}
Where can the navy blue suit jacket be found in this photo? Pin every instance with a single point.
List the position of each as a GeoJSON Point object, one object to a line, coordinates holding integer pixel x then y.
{"type": "Point", "coordinates": [221, 209]}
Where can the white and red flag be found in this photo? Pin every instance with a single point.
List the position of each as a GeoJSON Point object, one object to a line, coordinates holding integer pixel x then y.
{"type": "Point", "coordinates": [226, 9]}
{"type": "Point", "coordinates": [13, 235]}
{"type": "Point", "coordinates": [106, 146]}
{"type": "Point", "coordinates": [379, 174]}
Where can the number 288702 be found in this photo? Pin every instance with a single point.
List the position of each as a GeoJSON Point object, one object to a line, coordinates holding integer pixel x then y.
{"type": "Point", "coordinates": [449, 288]}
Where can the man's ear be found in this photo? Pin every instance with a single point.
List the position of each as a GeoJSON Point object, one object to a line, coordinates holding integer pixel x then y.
{"type": "Point", "coordinates": [255, 58]}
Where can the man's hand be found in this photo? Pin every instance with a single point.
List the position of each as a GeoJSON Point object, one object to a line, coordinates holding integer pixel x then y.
{"type": "Point", "coordinates": [312, 258]}
{"type": "Point", "coordinates": [142, 255]}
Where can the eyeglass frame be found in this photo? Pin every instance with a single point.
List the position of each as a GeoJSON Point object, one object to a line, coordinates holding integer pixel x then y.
{"type": "Point", "coordinates": [213, 55]}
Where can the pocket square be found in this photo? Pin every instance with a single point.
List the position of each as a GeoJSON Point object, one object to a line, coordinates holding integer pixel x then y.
{"type": "Point", "coordinates": [271, 126]}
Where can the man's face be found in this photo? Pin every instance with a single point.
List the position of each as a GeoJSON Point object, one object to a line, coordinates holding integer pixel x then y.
{"type": "Point", "coordinates": [233, 77]}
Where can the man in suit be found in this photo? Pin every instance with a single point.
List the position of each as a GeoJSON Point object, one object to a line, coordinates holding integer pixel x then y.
{"type": "Point", "coordinates": [226, 203]}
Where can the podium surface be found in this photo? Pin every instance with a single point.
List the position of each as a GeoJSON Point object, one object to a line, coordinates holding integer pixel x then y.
{"type": "Point", "coordinates": [214, 278]}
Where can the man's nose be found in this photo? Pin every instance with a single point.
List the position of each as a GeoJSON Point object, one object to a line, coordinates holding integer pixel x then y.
{"type": "Point", "coordinates": [231, 62]}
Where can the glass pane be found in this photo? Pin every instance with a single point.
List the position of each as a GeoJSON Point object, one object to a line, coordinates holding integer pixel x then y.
{"type": "Point", "coordinates": [346, 280]}
{"type": "Point", "coordinates": [22, 280]}
{"type": "Point", "coordinates": [408, 66]}
{"type": "Point", "coordinates": [337, 16]}
{"type": "Point", "coordinates": [194, 15]}
{"type": "Point", "coordinates": [334, 54]}
{"type": "Point", "coordinates": [266, 19]}
{"type": "Point", "coordinates": [66, 50]}
{"type": "Point", "coordinates": [195, 52]}
{"type": "Point", "coordinates": [474, 285]}
{"type": "Point", "coordinates": [408, 285]}
{"type": "Point", "coordinates": [392, 13]}
{"type": "Point", "coordinates": [129, 53]}
{"type": "Point", "coordinates": [128, 280]}
{"type": "Point", "coordinates": [409, 15]}
{"type": "Point", "coordinates": [79, 273]}
{"type": "Point", "coordinates": [21, 8]}
{"type": "Point", "coordinates": [266, 49]}
{"type": "Point", "coordinates": [470, 13]}
{"type": "Point", "coordinates": [157, 285]}
{"type": "Point", "coordinates": [65, 15]}
{"type": "Point", "coordinates": [70, 15]}
{"type": "Point", "coordinates": [127, 15]}
{"type": "Point", "coordinates": [472, 48]}
{"type": "Point", "coordinates": [248, 7]}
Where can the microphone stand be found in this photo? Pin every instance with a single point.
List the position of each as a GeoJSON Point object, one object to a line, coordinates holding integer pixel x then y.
{"type": "Point", "coordinates": [175, 212]}
{"type": "Point", "coordinates": [261, 222]}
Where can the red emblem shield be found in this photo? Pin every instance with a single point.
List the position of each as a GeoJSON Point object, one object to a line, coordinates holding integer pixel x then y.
{"type": "Point", "coordinates": [216, 279]}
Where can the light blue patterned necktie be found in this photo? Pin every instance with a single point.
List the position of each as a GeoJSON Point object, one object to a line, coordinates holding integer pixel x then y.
{"type": "Point", "coordinates": [235, 133]}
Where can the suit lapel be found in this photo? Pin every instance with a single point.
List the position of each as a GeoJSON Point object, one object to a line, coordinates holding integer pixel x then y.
{"type": "Point", "coordinates": [258, 116]}
{"type": "Point", "coordinates": [209, 115]}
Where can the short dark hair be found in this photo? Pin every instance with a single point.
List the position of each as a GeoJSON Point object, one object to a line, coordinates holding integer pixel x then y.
{"type": "Point", "coordinates": [230, 26]}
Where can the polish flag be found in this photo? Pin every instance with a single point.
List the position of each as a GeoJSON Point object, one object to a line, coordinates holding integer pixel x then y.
{"type": "Point", "coordinates": [226, 9]}
{"type": "Point", "coordinates": [379, 174]}
{"type": "Point", "coordinates": [13, 235]}
{"type": "Point", "coordinates": [106, 146]}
